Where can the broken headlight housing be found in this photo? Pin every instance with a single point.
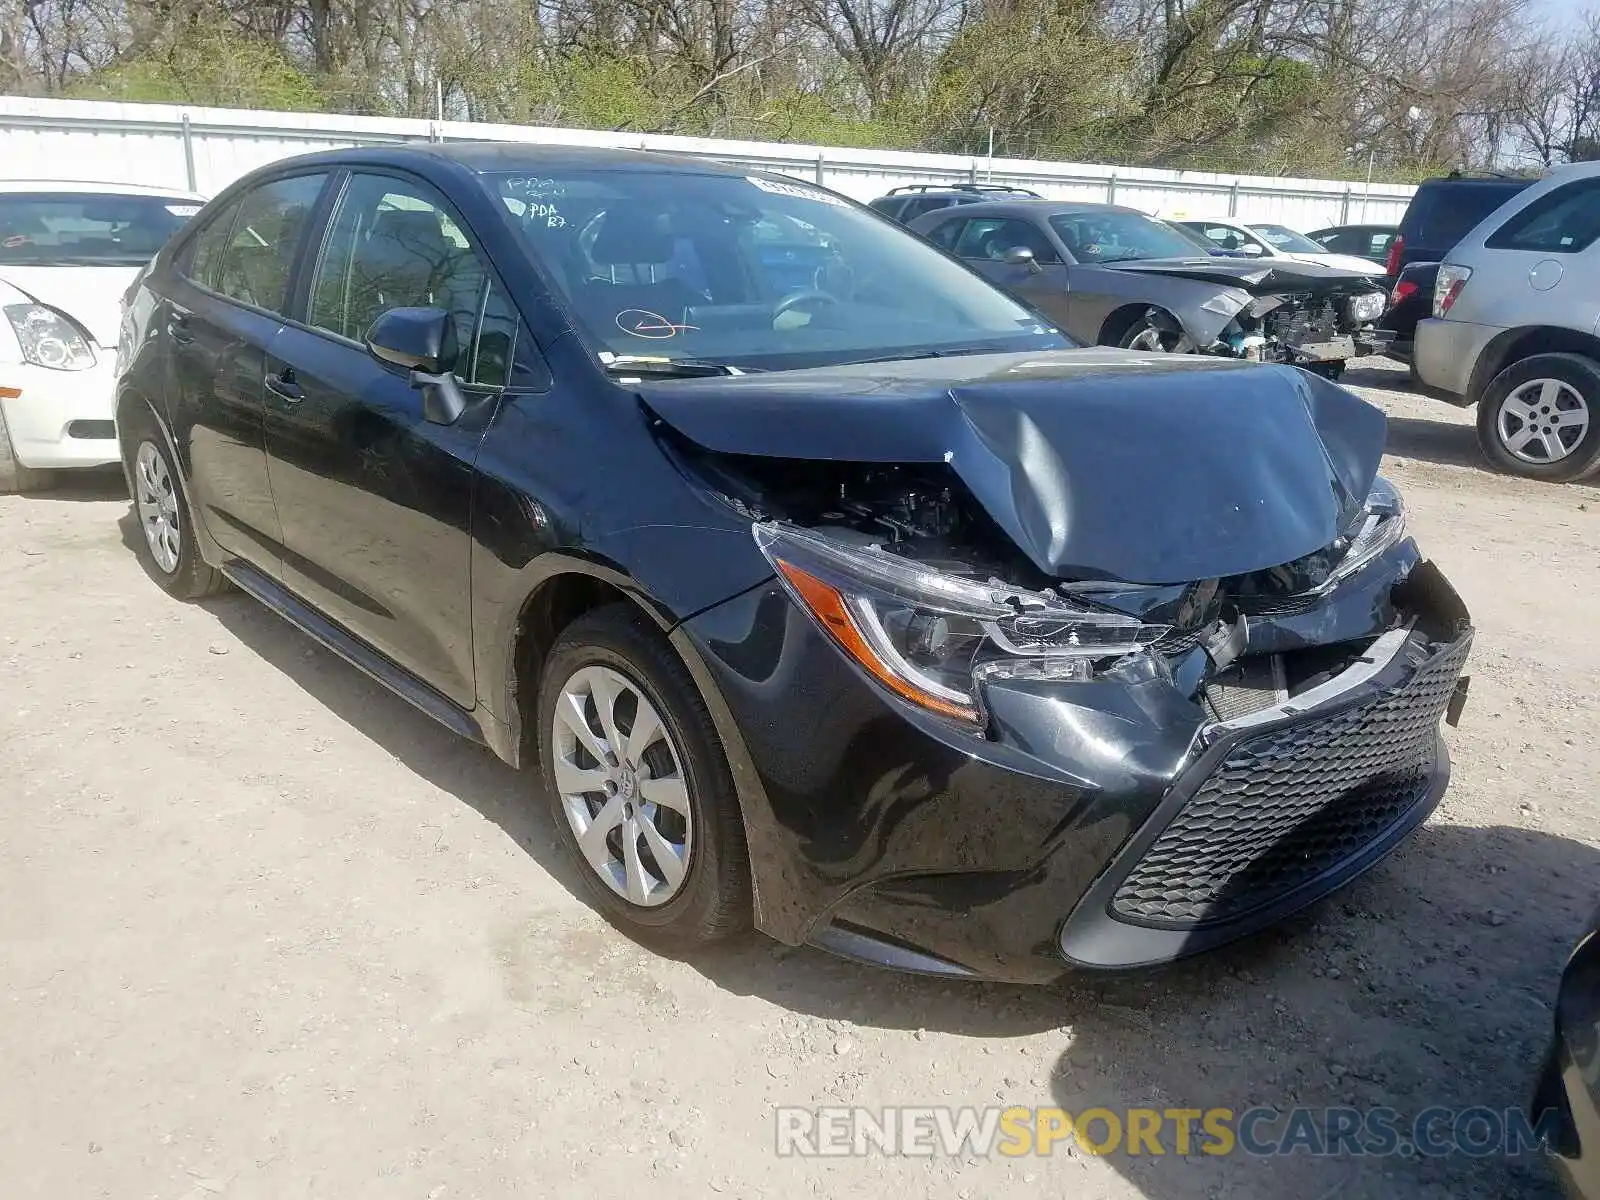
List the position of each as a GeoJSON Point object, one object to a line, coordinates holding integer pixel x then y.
{"type": "Point", "coordinates": [49, 339]}
{"type": "Point", "coordinates": [1367, 307]}
{"type": "Point", "coordinates": [929, 637]}
{"type": "Point", "coordinates": [1380, 524]}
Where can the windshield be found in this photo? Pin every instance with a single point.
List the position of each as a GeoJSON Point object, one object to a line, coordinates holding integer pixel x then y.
{"type": "Point", "coordinates": [1114, 235]}
{"type": "Point", "coordinates": [751, 272]}
{"type": "Point", "coordinates": [66, 229]}
{"type": "Point", "coordinates": [1283, 238]}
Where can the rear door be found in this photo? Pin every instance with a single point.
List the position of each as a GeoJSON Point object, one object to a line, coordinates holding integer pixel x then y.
{"type": "Point", "coordinates": [376, 501]}
{"type": "Point", "coordinates": [225, 306]}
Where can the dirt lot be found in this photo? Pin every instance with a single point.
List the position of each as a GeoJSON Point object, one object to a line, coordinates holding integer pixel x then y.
{"type": "Point", "coordinates": [267, 932]}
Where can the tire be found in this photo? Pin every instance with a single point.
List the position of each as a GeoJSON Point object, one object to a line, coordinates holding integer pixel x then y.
{"type": "Point", "coordinates": [1149, 329]}
{"type": "Point", "coordinates": [1547, 388]}
{"type": "Point", "coordinates": [14, 477]}
{"type": "Point", "coordinates": [711, 900]}
{"type": "Point", "coordinates": [159, 499]}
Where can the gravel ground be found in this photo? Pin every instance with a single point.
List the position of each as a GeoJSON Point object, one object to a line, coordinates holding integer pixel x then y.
{"type": "Point", "coordinates": [267, 932]}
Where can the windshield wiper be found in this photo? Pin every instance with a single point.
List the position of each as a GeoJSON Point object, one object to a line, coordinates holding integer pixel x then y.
{"type": "Point", "coordinates": [952, 352]}
{"type": "Point", "coordinates": [677, 368]}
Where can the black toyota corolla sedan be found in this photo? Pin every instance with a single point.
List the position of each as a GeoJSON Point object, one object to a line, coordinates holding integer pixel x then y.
{"type": "Point", "coordinates": [831, 589]}
{"type": "Point", "coordinates": [1567, 1098]}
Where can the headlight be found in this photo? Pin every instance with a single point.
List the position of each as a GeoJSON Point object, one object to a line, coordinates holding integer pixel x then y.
{"type": "Point", "coordinates": [927, 636]}
{"type": "Point", "coordinates": [49, 339]}
{"type": "Point", "coordinates": [1367, 307]}
{"type": "Point", "coordinates": [1381, 524]}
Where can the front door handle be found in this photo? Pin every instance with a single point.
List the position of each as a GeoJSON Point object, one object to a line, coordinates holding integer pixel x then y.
{"type": "Point", "coordinates": [178, 329]}
{"type": "Point", "coordinates": [283, 386]}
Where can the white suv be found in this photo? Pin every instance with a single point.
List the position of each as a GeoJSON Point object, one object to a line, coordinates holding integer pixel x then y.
{"type": "Point", "coordinates": [68, 251]}
{"type": "Point", "coordinates": [1516, 328]}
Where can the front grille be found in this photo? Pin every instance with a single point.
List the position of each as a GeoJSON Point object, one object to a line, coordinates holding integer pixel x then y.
{"type": "Point", "coordinates": [1286, 806]}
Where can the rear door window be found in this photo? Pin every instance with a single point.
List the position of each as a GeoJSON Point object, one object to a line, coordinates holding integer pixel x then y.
{"type": "Point", "coordinates": [1564, 221]}
{"type": "Point", "coordinates": [255, 265]}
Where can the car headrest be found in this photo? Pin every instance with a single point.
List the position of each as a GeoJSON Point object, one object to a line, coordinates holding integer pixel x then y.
{"type": "Point", "coordinates": [631, 237]}
{"type": "Point", "coordinates": [418, 230]}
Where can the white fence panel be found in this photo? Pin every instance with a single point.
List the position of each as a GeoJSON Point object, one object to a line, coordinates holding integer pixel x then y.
{"type": "Point", "coordinates": [205, 149]}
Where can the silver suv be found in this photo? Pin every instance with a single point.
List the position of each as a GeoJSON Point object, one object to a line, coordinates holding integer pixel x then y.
{"type": "Point", "coordinates": [1514, 329]}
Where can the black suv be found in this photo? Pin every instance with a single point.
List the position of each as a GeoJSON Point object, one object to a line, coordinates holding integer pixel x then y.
{"type": "Point", "coordinates": [863, 608]}
{"type": "Point", "coordinates": [905, 204]}
{"type": "Point", "coordinates": [1440, 214]}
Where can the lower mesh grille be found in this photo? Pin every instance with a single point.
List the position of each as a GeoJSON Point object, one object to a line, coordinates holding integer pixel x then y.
{"type": "Point", "coordinates": [1285, 806]}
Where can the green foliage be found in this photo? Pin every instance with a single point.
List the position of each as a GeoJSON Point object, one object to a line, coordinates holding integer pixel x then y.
{"type": "Point", "coordinates": [207, 64]}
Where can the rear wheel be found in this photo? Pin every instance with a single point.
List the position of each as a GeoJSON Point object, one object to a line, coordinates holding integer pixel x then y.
{"type": "Point", "coordinates": [638, 783]}
{"type": "Point", "coordinates": [14, 477]}
{"type": "Point", "coordinates": [166, 544]}
{"type": "Point", "coordinates": [1540, 417]}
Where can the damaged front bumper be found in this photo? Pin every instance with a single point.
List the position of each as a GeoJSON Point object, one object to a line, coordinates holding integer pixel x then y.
{"type": "Point", "coordinates": [1113, 822]}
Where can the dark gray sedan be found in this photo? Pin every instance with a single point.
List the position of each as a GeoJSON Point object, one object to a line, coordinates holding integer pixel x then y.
{"type": "Point", "coordinates": [1116, 277]}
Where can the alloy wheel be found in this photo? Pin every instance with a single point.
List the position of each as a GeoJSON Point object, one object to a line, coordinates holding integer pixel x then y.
{"type": "Point", "coordinates": [157, 499]}
{"type": "Point", "coordinates": [1152, 339]}
{"type": "Point", "coordinates": [1542, 421]}
{"type": "Point", "coordinates": [622, 786]}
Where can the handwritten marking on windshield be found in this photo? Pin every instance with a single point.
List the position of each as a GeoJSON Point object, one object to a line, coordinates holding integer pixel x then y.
{"type": "Point", "coordinates": [641, 322]}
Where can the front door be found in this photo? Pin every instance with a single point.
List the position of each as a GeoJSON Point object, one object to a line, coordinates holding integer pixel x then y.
{"type": "Point", "coordinates": [223, 311]}
{"type": "Point", "coordinates": [984, 243]}
{"type": "Point", "coordinates": [376, 501]}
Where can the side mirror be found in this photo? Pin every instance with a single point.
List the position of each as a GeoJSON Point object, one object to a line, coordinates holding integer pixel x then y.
{"type": "Point", "coordinates": [1251, 248]}
{"type": "Point", "coordinates": [1020, 256]}
{"type": "Point", "coordinates": [422, 341]}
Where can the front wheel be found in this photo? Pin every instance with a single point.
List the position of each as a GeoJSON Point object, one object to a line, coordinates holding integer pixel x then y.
{"type": "Point", "coordinates": [14, 477]}
{"type": "Point", "coordinates": [1156, 333]}
{"type": "Point", "coordinates": [638, 783]}
{"type": "Point", "coordinates": [1540, 418]}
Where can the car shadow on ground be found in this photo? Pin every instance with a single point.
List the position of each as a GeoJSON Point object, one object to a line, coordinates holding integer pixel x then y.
{"type": "Point", "coordinates": [90, 484]}
{"type": "Point", "coordinates": [1427, 982]}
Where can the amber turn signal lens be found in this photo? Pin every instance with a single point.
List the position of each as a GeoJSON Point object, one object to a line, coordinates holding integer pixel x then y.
{"type": "Point", "coordinates": [827, 605]}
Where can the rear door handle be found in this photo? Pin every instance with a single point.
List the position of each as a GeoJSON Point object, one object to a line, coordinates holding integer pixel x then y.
{"type": "Point", "coordinates": [284, 387]}
{"type": "Point", "coordinates": [178, 328]}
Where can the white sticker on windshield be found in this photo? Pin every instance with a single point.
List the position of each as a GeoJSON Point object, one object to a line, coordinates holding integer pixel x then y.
{"type": "Point", "coordinates": [183, 210]}
{"type": "Point", "coordinates": [798, 190]}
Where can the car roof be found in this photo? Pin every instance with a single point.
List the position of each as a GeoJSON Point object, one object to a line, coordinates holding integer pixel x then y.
{"type": "Point", "coordinates": [90, 187]}
{"type": "Point", "coordinates": [1030, 208]}
{"type": "Point", "coordinates": [486, 157]}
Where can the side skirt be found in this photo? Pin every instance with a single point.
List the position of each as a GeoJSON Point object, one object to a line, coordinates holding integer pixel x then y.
{"type": "Point", "coordinates": [354, 651]}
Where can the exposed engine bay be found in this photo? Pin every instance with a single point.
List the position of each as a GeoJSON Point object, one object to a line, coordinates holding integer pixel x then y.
{"type": "Point", "coordinates": [1234, 645]}
{"type": "Point", "coordinates": [1313, 329]}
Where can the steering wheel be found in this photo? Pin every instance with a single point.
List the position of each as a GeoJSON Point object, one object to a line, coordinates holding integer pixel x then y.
{"type": "Point", "coordinates": [803, 296]}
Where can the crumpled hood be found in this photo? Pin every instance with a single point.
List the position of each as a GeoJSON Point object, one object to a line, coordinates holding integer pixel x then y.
{"type": "Point", "coordinates": [91, 296]}
{"type": "Point", "coordinates": [1252, 274]}
{"type": "Point", "coordinates": [1103, 464]}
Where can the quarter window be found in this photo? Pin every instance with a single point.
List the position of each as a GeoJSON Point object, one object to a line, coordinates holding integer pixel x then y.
{"type": "Point", "coordinates": [259, 254]}
{"type": "Point", "coordinates": [394, 244]}
{"type": "Point", "coordinates": [1564, 221]}
{"type": "Point", "coordinates": [205, 251]}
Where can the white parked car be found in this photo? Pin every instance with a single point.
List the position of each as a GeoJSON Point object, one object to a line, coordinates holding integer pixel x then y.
{"type": "Point", "coordinates": [1266, 240]}
{"type": "Point", "coordinates": [68, 251]}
